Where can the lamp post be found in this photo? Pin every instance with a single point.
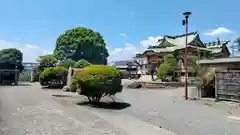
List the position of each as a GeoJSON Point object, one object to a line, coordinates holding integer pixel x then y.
{"type": "Point", "coordinates": [185, 22]}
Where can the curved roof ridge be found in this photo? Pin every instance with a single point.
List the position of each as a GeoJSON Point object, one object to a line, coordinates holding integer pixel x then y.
{"type": "Point", "coordinates": [180, 40]}
{"type": "Point", "coordinates": [177, 36]}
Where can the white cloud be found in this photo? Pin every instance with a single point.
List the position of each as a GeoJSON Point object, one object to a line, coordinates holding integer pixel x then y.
{"type": "Point", "coordinates": [123, 34]}
{"type": "Point", "coordinates": [124, 53]}
{"type": "Point", "coordinates": [150, 41]}
{"type": "Point", "coordinates": [218, 31]}
{"type": "Point", "coordinates": [30, 51]}
{"type": "Point", "coordinates": [128, 51]}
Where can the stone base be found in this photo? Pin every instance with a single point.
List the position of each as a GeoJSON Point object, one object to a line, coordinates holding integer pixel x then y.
{"type": "Point", "coordinates": [156, 85]}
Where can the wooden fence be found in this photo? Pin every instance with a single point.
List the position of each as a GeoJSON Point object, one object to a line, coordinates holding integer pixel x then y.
{"type": "Point", "coordinates": [227, 85]}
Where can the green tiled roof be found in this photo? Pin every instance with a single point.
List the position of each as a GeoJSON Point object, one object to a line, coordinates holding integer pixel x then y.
{"type": "Point", "coordinates": [172, 43]}
{"type": "Point", "coordinates": [172, 49]}
{"type": "Point", "coordinates": [215, 48]}
{"type": "Point", "coordinates": [181, 41]}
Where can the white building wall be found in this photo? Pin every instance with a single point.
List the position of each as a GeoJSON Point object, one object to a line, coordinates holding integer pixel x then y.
{"type": "Point", "coordinates": [143, 63]}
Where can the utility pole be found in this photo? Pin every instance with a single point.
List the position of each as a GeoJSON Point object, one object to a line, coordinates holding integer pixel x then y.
{"type": "Point", "coordinates": [185, 22]}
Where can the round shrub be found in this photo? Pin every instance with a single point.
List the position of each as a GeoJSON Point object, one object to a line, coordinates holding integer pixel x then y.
{"type": "Point", "coordinates": [66, 63]}
{"type": "Point", "coordinates": [51, 74]}
{"type": "Point", "coordinates": [81, 64]}
{"type": "Point", "coordinates": [98, 80]}
{"type": "Point", "coordinates": [73, 85]}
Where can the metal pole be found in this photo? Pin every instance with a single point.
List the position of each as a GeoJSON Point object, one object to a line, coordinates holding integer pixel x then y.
{"type": "Point", "coordinates": [186, 14]}
{"type": "Point", "coordinates": [186, 68]}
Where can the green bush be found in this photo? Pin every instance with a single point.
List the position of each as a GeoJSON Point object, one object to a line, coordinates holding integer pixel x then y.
{"type": "Point", "coordinates": [53, 74]}
{"type": "Point", "coordinates": [36, 75]}
{"type": "Point", "coordinates": [73, 85]}
{"type": "Point", "coordinates": [97, 80]}
{"type": "Point", "coordinates": [81, 64]}
{"type": "Point", "coordinates": [207, 81]}
{"type": "Point", "coordinates": [168, 67]}
{"type": "Point", "coordinates": [66, 63]}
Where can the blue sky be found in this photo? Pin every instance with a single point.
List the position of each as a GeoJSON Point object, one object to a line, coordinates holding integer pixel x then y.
{"type": "Point", "coordinates": [126, 25]}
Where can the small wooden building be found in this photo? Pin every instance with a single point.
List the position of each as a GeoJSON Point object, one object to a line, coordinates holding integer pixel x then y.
{"type": "Point", "coordinates": [227, 79]}
{"type": "Point", "coordinates": [221, 64]}
{"type": "Point", "coordinates": [9, 74]}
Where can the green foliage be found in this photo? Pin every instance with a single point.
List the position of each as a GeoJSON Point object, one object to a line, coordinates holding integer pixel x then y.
{"type": "Point", "coordinates": [11, 55]}
{"type": "Point", "coordinates": [46, 61]}
{"type": "Point", "coordinates": [73, 86]}
{"type": "Point", "coordinates": [53, 73]}
{"type": "Point", "coordinates": [66, 63]}
{"type": "Point", "coordinates": [193, 63]}
{"type": "Point", "coordinates": [81, 64]}
{"type": "Point", "coordinates": [36, 75]}
{"type": "Point", "coordinates": [98, 79]}
{"type": "Point", "coordinates": [162, 71]}
{"type": "Point", "coordinates": [168, 67]}
{"type": "Point", "coordinates": [81, 43]}
{"type": "Point", "coordinates": [11, 59]}
{"type": "Point", "coordinates": [207, 80]}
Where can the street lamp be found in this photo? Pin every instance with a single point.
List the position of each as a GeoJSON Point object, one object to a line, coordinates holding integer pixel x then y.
{"type": "Point", "coordinates": [185, 22]}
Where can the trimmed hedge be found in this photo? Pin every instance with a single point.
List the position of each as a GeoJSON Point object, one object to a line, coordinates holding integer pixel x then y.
{"type": "Point", "coordinates": [97, 80]}
{"type": "Point", "coordinates": [81, 64]}
{"type": "Point", "coordinates": [53, 74]}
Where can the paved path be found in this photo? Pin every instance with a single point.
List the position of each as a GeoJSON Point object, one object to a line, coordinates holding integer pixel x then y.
{"type": "Point", "coordinates": [167, 108]}
{"type": "Point", "coordinates": [27, 110]}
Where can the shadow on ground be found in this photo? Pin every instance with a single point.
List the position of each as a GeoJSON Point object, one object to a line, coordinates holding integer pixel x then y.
{"type": "Point", "coordinates": [62, 96]}
{"type": "Point", "coordinates": [23, 84]}
{"type": "Point", "coordinates": [51, 87]}
{"type": "Point", "coordinates": [20, 84]}
{"type": "Point", "coordinates": [106, 105]}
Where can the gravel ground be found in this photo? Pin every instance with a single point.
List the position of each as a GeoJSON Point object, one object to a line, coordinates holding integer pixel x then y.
{"type": "Point", "coordinates": [24, 110]}
{"type": "Point", "coordinates": [167, 108]}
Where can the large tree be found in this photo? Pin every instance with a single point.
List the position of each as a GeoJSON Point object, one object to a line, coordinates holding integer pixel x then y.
{"type": "Point", "coordinates": [11, 58]}
{"type": "Point", "coordinates": [81, 43]}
